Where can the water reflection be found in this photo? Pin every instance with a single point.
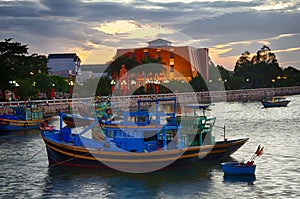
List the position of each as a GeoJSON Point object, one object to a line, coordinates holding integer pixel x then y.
{"type": "Point", "coordinates": [62, 180]}
{"type": "Point", "coordinates": [239, 178]}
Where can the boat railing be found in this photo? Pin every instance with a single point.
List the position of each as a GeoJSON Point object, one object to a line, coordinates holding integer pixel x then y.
{"type": "Point", "coordinates": [197, 131]}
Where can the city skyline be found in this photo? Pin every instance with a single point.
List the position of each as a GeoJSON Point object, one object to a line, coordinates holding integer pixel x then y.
{"type": "Point", "coordinates": [96, 29]}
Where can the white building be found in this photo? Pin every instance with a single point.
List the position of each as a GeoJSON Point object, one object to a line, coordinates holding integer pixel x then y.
{"type": "Point", "coordinates": [64, 65]}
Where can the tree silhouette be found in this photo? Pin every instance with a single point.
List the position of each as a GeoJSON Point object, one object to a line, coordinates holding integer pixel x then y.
{"type": "Point", "coordinates": [259, 71]}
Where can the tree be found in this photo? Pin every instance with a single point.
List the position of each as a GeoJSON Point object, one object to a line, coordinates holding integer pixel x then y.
{"type": "Point", "coordinates": [291, 76]}
{"type": "Point", "coordinates": [11, 59]}
{"type": "Point", "coordinates": [61, 84]}
{"type": "Point", "coordinates": [243, 64]}
{"type": "Point", "coordinates": [259, 71]}
{"type": "Point", "coordinates": [19, 67]}
{"type": "Point", "coordinates": [26, 89]}
{"type": "Point", "coordinates": [104, 87]}
{"type": "Point", "coordinates": [198, 84]}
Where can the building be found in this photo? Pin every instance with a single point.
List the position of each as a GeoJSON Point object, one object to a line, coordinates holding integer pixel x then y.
{"type": "Point", "coordinates": [64, 64]}
{"type": "Point", "coordinates": [181, 62]}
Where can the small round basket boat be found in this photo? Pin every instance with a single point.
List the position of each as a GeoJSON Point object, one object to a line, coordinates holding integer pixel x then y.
{"type": "Point", "coordinates": [237, 168]}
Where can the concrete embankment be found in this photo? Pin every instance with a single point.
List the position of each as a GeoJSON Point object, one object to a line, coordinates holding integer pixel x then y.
{"type": "Point", "coordinates": [52, 107]}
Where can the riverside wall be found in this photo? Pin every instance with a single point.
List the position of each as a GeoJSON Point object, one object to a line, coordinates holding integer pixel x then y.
{"type": "Point", "coordinates": [52, 107]}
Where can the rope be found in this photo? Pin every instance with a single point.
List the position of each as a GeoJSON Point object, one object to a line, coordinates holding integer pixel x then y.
{"type": "Point", "coordinates": [34, 155]}
{"type": "Point", "coordinates": [58, 163]}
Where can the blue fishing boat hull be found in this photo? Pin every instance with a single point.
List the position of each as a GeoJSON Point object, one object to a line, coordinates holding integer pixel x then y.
{"type": "Point", "coordinates": [236, 168]}
{"type": "Point", "coordinates": [62, 153]}
{"type": "Point", "coordinates": [10, 128]}
{"type": "Point", "coordinates": [8, 124]}
{"type": "Point", "coordinates": [22, 118]}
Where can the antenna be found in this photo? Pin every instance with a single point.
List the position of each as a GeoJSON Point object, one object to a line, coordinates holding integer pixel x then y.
{"type": "Point", "coordinates": [159, 30]}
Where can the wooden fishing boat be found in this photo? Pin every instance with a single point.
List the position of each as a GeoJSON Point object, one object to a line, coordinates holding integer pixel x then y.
{"type": "Point", "coordinates": [23, 118]}
{"type": "Point", "coordinates": [145, 140]}
{"type": "Point", "coordinates": [275, 102]}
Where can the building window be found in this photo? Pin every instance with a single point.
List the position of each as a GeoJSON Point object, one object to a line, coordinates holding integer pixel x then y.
{"type": "Point", "coordinates": [172, 68]}
{"type": "Point", "coordinates": [146, 53]}
{"type": "Point", "coordinates": [158, 53]}
{"type": "Point", "coordinates": [171, 52]}
{"type": "Point", "coordinates": [171, 62]}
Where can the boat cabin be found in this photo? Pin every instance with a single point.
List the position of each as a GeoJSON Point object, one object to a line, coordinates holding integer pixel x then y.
{"type": "Point", "coordinates": [151, 129]}
{"type": "Point", "coordinates": [28, 113]}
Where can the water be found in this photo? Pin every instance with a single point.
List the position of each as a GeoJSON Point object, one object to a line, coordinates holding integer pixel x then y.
{"type": "Point", "coordinates": [24, 170]}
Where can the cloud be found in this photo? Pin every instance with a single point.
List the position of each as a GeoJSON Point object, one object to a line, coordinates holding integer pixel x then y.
{"type": "Point", "coordinates": [228, 27]}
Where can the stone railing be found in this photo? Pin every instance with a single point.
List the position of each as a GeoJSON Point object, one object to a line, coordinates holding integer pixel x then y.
{"type": "Point", "coordinates": [55, 105]}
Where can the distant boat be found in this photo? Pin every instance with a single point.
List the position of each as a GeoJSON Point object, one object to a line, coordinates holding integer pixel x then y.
{"type": "Point", "coordinates": [145, 140]}
{"type": "Point", "coordinates": [23, 118]}
{"type": "Point", "coordinates": [275, 102]}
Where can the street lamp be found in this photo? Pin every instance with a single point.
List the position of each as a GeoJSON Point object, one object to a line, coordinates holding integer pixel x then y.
{"type": "Point", "coordinates": [12, 84]}
{"type": "Point", "coordinates": [124, 86]}
{"type": "Point", "coordinates": [166, 81]}
{"type": "Point", "coordinates": [273, 82]}
{"type": "Point", "coordinates": [112, 83]}
{"type": "Point", "coordinates": [248, 80]}
{"type": "Point", "coordinates": [71, 84]}
{"type": "Point", "coordinates": [52, 93]}
{"type": "Point", "coordinates": [133, 83]}
{"type": "Point", "coordinates": [156, 84]}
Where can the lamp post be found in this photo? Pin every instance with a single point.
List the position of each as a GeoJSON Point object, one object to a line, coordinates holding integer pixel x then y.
{"type": "Point", "coordinates": [166, 81]}
{"type": "Point", "coordinates": [52, 93]}
{"type": "Point", "coordinates": [133, 83]}
{"type": "Point", "coordinates": [124, 86]}
{"type": "Point", "coordinates": [247, 81]}
{"type": "Point", "coordinates": [156, 83]}
{"type": "Point", "coordinates": [147, 85]}
{"type": "Point", "coordinates": [112, 83]}
{"type": "Point", "coordinates": [71, 84]}
{"type": "Point", "coordinates": [273, 82]}
{"type": "Point", "coordinates": [13, 84]}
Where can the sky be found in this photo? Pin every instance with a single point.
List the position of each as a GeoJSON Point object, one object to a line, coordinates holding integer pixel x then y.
{"type": "Point", "coordinates": [94, 29]}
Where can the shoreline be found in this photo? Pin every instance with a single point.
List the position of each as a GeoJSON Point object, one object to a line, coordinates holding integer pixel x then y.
{"type": "Point", "coordinates": [52, 107]}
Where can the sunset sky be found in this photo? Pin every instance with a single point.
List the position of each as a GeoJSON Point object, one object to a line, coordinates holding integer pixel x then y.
{"type": "Point", "coordinates": [94, 29]}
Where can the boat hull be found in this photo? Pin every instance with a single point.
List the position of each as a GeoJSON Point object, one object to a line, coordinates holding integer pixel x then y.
{"type": "Point", "coordinates": [60, 153]}
{"type": "Point", "coordinates": [18, 125]}
{"type": "Point", "coordinates": [268, 104]}
{"type": "Point", "coordinates": [236, 168]}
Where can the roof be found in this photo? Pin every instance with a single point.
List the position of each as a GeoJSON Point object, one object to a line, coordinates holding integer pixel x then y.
{"type": "Point", "coordinates": [62, 56]}
{"type": "Point", "coordinates": [159, 42]}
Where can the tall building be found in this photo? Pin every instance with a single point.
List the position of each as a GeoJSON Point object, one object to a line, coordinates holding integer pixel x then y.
{"type": "Point", "coordinates": [64, 64]}
{"type": "Point", "coordinates": [181, 62]}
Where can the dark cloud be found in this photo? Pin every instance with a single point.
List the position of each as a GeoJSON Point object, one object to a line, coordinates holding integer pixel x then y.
{"type": "Point", "coordinates": [18, 9]}
{"type": "Point", "coordinates": [242, 26]}
{"type": "Point", "coordinates": [61, 7]}
{"type": "Point", "coordinates": [217, 22]}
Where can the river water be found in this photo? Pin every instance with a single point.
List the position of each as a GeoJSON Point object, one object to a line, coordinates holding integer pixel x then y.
{"type": "Point", "coordinates": [24, 170]}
